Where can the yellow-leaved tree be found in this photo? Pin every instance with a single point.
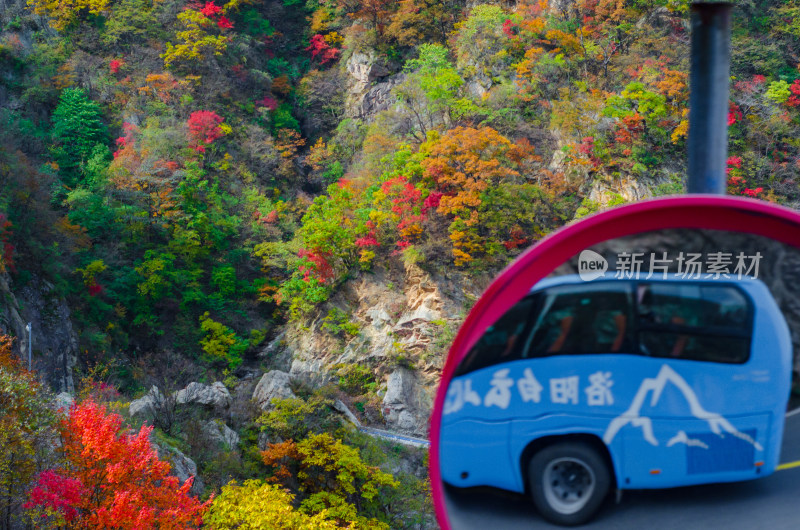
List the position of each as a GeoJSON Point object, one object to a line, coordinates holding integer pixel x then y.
{"type": "Point", "coordinates": [195, 41]}
{"type": "Point", "coordinates": [27, 430]}
{"type": "Point", "coordinates": [64, 13]}
{"type": "Point", "coordinates": [256, 505]}
{"type": "Point", "coordinates": [333, 479]}
{"type": "Point", "coordinates": [203, 34]}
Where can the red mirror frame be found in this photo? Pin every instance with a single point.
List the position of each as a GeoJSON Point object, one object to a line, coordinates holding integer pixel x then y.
{"type": "Point", "coordinates": [711, 212]}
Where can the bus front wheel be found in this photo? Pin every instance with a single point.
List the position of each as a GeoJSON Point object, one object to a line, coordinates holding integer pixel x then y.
{"type": "Point", "coordinates": [568, 482]}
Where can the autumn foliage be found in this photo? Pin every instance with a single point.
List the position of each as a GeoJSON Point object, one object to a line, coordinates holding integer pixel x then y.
{"type": "Point", "coordinates": [204, 129]}
{"type": "Point", "coordinates": [56, 494]}
{"type": "Point", "coordinates": [321, 50]}
{"type": "Point", "coordinates": [64, 14]}
{"type": "Point", "coordinates": [6, 248]}
{"type": "Point", "coordinates": [27, 424]}
{"type": "Point", "coordinates": [463, 164]}
{"type": "Point", "coordinates": [112, 478]}
{"type": "Point", "coordinates": [332, 477]}
{"type": "Point", "coordinates": [399, 213]}
{"type": "Point", "coordinates": [255, 504]}
{"type": "Point", "coordinates": [214, 12]}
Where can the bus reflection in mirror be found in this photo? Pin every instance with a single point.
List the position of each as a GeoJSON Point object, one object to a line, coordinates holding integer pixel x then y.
{"type": "Point", "coordinates": [672, 368]}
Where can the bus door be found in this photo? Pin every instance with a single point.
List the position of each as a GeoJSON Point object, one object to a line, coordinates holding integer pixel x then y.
{"type": "Point", "coordinates": [576, 356]}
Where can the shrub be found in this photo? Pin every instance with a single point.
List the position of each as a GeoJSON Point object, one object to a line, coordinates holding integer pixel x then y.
{"type": "Point", "coordinates": [355, 379]}
{"type": "Point", "coordinates": [220, 344]}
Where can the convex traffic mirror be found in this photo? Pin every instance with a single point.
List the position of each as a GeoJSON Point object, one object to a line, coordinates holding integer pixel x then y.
{"type": "Point", "coordinates": [647, 348]}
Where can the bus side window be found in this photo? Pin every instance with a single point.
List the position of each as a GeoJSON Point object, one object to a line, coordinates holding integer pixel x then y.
{"type": "Point", "coordinates": [694, 321]}
{"type": "Point", "coordinates": [581, 321]}
{"type": "Point", "coordinates": [502, 340]}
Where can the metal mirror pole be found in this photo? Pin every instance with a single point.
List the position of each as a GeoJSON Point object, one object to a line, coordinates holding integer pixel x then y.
{"type": "Point", "coordinates": [708, 101]}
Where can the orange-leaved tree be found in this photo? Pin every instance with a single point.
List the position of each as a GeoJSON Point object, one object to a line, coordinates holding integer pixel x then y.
{"type": "Point", "coordinates": [122, 483]}
{"type": "Point", "coordinates": [463, 164]}
{"type": "Point", "coordinates": [377, 12]}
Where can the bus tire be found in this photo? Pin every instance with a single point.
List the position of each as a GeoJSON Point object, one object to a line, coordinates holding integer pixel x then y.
{"type": "Point", "coordinates": [568, 482]}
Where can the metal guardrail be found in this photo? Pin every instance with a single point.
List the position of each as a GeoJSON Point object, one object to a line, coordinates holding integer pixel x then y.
{"type": "Point", "coordinates": [340, 407]}
{"type": "Point", "coordinates": [399, 438]}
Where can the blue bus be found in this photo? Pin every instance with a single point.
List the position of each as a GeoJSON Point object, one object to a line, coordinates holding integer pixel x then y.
{"type": "Point", "coordinates": [583, 387]}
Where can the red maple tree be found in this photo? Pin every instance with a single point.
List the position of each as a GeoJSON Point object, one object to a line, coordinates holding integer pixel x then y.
{"type": "Point", "coordinates": [322, 50]}
{"type": "Point", "coordinates": [56, 493]}
{"type": "Point", "coordinates": [204, 128]}
{"type": "Point", "coordinates": [210, 9]}
{"type": "Point", "coordinates": [113, 478]}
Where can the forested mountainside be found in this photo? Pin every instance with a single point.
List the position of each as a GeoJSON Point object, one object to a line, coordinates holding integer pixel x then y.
{"type": "Point", "coordinates": [229, 222]}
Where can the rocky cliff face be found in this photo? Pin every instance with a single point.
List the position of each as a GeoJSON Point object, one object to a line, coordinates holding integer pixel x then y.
{"type": "Point", "coordinates": [406, 319]}
{"type": "Point", "coordinates": [55, 344]}
{"type": "Point", "coordinates": [604, 191]}
{"type": "Point", "coordinates": [370, 84]}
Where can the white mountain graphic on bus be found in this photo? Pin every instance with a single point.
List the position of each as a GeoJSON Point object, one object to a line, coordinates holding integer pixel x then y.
{"type": "Point", "coordinates": [656, 385]}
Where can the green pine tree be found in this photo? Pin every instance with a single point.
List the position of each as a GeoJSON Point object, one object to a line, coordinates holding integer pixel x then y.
{"type": "Point", "coordinates": [77, 129]}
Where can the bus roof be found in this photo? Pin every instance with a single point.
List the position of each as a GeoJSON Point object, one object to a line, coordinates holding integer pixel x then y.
{"type": "Point", "coordinates": [747, 282]}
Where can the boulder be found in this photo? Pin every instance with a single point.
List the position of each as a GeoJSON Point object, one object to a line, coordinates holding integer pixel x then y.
{"type": "Point", "coordinates": [64, 401]}
{"type": "Point", "coordinates": [146, 405]}
{"type": "Point", "coordinates": [403, 407]}
{"type": "Point", "coordinates": [183, 467]}
{"type": "Point", "coordinates": [273, 384]}
{"type": "Point", "coordinates": [217, 432]}
{"type": "Point", "coordinates": [215, 395]}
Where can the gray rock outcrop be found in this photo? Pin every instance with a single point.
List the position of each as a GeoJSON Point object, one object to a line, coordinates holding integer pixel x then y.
{"type": "Point", "coordinates": [183, 467]}
{"type": "Point", "coordinates": [273, 384]}
{"type": "Point", "coordinates": [604, 191]}
{"type": "Point", "coordinates": [146, 405]}
{"type": "Point", "coordinates": [277, 353]}
{"type": "Point", "coordinates": [55, 344]}
{"type": "Point", "coordinates": [404, 406]}
{"type": "Point", "coordinates": [405, 317]}
{"type": "Point", "coordinates": [379, 97]}
{"type": "Point", "coordinates": [220, 434]}
{"type": "Point", "coordinates": [263, 441]}
{"type": "Point", "coordinates": [312, 371]}
{"type": "Point", "coordinates": [340, 407]}
{"type": "Point", "coordinates": [364, 68]}
{"type": "Point", "coordinates": [64, 401]}
{"type": "Point", "coordinates": [367, 91]}
{"type": "Point", "coordinates": [215, 395]}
